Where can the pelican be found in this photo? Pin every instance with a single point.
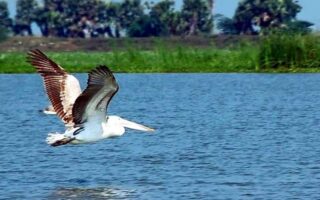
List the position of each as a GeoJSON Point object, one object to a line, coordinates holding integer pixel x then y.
{"type": "Point", "coordinates": [85, 118]}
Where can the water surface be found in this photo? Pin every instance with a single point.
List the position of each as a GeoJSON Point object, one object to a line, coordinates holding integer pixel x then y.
{"type": "Point", "coordinates": [219, 136]}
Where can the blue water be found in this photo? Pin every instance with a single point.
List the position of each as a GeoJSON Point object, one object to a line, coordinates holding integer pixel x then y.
{"type": "Point", "coordinates": [219, 136]}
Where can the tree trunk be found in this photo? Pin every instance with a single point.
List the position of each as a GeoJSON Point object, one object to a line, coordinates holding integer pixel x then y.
{"type": "Point", "coordinates": [193, 24]}
{"type": "Point", "coordinates": [117, 30]}
{"type": "Point", "coordinates": [211, 7]}
{"type": "Point", "coordinates": [29, 30]}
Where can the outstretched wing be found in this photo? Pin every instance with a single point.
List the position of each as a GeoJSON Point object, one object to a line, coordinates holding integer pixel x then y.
{"type": "Point", "coordinates": [57, 84]}
{"type": "Point", "coordinates": [92, 103]}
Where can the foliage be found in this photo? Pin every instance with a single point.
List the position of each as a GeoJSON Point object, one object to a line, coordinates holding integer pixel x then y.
{"type": "Point", "coordinates": [298, 27]}
{"type": "Point", "coordinates": [257, 16]}
{"type": "Point", "coordinates": [100, 18]}
{"type": "Point", "coordinates": [161, 59]}
{"type": "Point", "coordinates": [276, 53]}
{"type": "Point", "coordinates": [225, 25]}
{"type": "Point", "coordinates": [5, 21]}
{"type": "Point", "coordinates": [70, 18]}
{"type": "Point", "coordinates": [197, 17]}
{"type": "Point", "coordinates": [3, 33]}
{"type": "Point", "coordinates": [146, 26]}
{"type": "Point", "coordinates": [194, 18]}
{"type": "Point", "coordinates": [129, 11]}
{"type": "Point", "coordinates": [26, 10]}
{"type": "Point", "coordinates": [289, 51]}
{"type": "Point", "coordinates": [163, 15]}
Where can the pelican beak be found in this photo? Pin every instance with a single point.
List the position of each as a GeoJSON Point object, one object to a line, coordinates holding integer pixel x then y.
{"type": "Point", "coordinates": [135, 126]}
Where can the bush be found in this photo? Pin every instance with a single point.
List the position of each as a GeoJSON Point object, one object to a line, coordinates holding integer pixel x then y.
{"type": "Point", "coordinates": [3, 33]}
{"type": "Point", "coordinates": [289, 51]}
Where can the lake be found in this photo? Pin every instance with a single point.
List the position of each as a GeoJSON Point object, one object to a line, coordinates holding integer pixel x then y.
{"type": "Point", "coordinates": [218, 136]}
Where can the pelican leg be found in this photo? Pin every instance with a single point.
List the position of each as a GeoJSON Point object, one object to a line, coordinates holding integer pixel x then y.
{"type": "Point", "coordinates": [57, 139]}
{"type": "Point", "coordinates": [62, 141]}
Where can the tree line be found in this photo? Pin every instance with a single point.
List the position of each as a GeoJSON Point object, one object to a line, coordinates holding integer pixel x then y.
{"type": "Point", "coordinates": [262, 17]}
{"type": "Point", "coordinates": [95, 18]}
{"type": "Point", "coordinates": [133, 18]}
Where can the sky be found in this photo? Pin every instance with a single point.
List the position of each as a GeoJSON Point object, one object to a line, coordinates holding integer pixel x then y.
{"type": "Point", "coordinates": [309, 12]}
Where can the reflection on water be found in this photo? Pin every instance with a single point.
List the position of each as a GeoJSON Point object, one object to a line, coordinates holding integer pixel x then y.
{"type": "Point", "coordinates": [91, 193]}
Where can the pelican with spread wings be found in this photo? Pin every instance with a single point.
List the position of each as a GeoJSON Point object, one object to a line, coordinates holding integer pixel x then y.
{"type": "Point", "coordinates": [84, 114]}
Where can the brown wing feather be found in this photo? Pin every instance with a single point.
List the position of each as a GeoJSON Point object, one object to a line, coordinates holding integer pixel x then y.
{"type": "Point", "coordinates": [54, 78]}
{"type": "Point", "coordinates": [43, 64]}
{"type": "Point", "coordinates": [94, 100]}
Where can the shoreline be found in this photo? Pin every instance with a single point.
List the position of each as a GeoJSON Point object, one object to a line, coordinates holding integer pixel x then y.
{"type": "Point", "coordinates": [170, 55]}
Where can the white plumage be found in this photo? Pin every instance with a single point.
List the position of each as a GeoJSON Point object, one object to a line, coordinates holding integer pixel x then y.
{"type": "Point", "coordinates": [84, 114]}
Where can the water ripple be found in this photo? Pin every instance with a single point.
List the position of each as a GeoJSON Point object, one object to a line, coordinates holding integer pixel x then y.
{"type": "Point", "coordinates": [218, 136]}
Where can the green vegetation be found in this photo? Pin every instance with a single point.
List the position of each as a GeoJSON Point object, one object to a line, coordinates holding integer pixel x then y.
{"type": "Point", "coordinates": [275, 53]}
{"type": "Point", "coordinates": [137, 18]}
{"type": "Point", "coordinates": [289, 51]}
{"type": "Point", "coordinates": [159, 60]}
{"type": "Point", "coordinates": [285, 44]}
{"type": "Point", "coordinates": [268, 16]}
{"type": "Point", "coordinates": [98, 18]}
{"type": "Point", "coordinates": [4, 21]}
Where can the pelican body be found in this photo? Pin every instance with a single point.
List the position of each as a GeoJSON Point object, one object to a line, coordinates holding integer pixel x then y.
{"type": "Point", "coordinates": [114, 126]}
{"type": "Point", "coordinates": [83, 113]}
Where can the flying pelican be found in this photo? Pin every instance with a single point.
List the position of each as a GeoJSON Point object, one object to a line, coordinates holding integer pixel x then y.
{"type": "Point", "coordinates": [85, 118]}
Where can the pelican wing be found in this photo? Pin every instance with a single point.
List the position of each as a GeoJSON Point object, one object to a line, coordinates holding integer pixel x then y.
{"type": "Point", "coordinates": [58, 84]}
{"type": "Point", "coordinates": [93, 102]}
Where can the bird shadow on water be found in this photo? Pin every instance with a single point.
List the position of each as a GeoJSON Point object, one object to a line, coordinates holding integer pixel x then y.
{"type": "Point", "coordinates": [100, 192]}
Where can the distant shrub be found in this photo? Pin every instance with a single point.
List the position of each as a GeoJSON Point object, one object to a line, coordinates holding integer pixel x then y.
{"type": "Point", "coordinates": [3, 33]}
{"type": "Point", "coordinates": [289, 51]}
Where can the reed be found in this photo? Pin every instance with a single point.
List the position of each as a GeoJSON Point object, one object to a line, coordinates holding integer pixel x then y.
{"type": "Point", "coordinates": [289, 51]}
{"type": "Point", "coordinates": [161, 59]}
{"type": "Point", "coordinates": [275, 53]}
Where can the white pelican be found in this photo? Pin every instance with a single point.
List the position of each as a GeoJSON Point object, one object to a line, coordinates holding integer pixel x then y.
{"type": "Point", "coordinates": [85, 118]}
{"type": "Point", "coordinates": [70, 86]}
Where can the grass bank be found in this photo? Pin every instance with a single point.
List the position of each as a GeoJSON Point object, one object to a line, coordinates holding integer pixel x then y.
{"type": "Point", "coordinates": [276, 53]}
{"type": "Point", "coordinates": [162, 59]}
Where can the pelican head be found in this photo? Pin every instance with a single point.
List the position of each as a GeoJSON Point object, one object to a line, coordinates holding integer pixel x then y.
{"type": "Point", "coordinates": [120, 122]}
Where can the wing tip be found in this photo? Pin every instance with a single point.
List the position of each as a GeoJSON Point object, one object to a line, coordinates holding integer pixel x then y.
{"type": "Point", "coordinates": [103, 69]}
{"type": "Point", "coordinates": [34, 56]}
{"type": "Point", "coordinates": [43, 64]}
{"type": "Point", "coordinates": [33, 53]}
{"type": "Point", "coordinates": [98, 74]}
